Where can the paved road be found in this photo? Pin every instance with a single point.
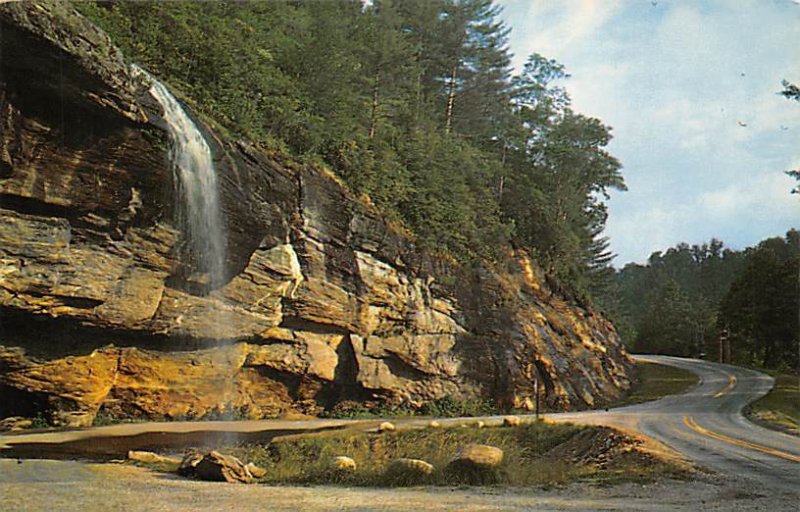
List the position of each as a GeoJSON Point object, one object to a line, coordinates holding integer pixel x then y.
{"type": "Point", "coordinates": [759, 469]}
{"type": "Point", "coordinates": [705, 424]}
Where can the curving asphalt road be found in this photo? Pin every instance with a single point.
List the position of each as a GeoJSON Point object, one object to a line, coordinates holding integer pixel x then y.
{"type": "Point", "coordinates": [704, 424]}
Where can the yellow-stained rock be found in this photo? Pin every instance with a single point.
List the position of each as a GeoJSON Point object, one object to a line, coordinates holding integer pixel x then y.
{"type": "Point", "coordinates": [14, 423]}
{"type": "Point", "coordinates": [151, 458]}
{"type": "Point", "coordinates": [343, 464]}
{"type": "Point", "coordinates": [479, 455]}
{"type": "Point", "coordinates": [386, 427]}
{"type": "Point", "coordinates": [256, 471]}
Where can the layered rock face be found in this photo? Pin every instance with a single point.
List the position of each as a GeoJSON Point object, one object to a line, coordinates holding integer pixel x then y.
{"type": "Point", "coordinates": [323, 299]}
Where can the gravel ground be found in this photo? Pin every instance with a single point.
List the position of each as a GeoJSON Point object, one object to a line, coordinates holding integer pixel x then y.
{"type": "Point", "coordinates": [44, 485]}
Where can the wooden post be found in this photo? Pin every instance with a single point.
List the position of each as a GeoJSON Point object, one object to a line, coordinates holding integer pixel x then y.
{"type": "Point", "coordinates": [724, 346]}
{"type": "Point", "coordinates": [727, 348]}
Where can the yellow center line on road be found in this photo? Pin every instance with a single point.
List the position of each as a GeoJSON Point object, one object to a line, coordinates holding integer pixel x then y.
{"type": "Point", "coordinates": [728, 388]}
{"type": "Point", "coordinates": [690, 422]}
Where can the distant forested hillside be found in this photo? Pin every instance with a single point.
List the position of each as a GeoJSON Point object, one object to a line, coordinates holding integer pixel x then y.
{"type": "Point", "coordinates": [684, 298]}
{"type": "Point", "coordinates": [411, 102]}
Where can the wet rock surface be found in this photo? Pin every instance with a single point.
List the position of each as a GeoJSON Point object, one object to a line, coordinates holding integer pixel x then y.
{"type": "Point", "coordinates": [323, 299]}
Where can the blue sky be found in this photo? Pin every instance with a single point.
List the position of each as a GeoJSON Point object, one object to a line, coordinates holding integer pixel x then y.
{"type": "Point", "coordinates": [676, 80]}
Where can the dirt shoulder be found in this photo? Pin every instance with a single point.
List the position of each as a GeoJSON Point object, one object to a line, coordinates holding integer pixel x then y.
{"type": "Point", "coordinates": [780, 408]}
{"type": "Point", "coordinates": [68, 485]}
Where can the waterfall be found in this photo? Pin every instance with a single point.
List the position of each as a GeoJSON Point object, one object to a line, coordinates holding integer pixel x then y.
{"type": "Point", "coordinates": [196, 183]}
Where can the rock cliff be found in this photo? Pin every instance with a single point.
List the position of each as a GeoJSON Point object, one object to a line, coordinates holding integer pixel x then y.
{"type": "Point", "coordinates": [323, 299]}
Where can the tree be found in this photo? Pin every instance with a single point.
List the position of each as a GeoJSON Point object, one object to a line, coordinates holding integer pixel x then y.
{"type": "Point", "coordinates": [668, 327]}
{"type": "Point", "coordinates": [682, 299]}
{"type": "Point", "coordinates": [790, 90]}
{"type": "Point", "coordinates": [565, 173]}
{"type": "Point", "coordinates": [761, 308]}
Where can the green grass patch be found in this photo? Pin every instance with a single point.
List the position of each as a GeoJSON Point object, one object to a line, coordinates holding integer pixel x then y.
{"type": "Point", "coordinates": [780, 408]}
{"type": "Point", "coordinates": [653, 381]}
{"type": "Point", "coordinates": [445, 407]}
{"type": "Point", "coordinates": [527, 459]}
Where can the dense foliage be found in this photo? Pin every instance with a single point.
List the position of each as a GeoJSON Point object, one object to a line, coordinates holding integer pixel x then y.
{"type": "Point", "coordinates": [762, 307]}
{"type": "Point", "coordinates": [411, 102]}
{"type": "Point", "coordinates": [682, 300]}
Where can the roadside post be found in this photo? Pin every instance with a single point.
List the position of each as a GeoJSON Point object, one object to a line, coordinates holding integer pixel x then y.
{"type": "Point", "coordinates": [724, 346]}
{"type": "Point", "coordinates": [536, 392]}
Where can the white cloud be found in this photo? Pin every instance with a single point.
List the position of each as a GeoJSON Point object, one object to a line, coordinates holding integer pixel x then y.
{"type": "Point", "coordinates": [762, 202]}
{"type": "Point", "coordinates": [566, 27]}
{"type": "Point", "coordinates": [675, 80]}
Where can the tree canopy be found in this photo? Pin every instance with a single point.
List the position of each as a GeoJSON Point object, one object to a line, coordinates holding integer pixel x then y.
{"type": "Point", "coordinates": [681, 301]}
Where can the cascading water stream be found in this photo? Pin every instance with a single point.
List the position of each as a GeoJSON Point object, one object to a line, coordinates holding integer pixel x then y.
{"type": "Point", "coordinates": [199, 212]}
{"type": "Point", "coordinates": [196, 181]}
{"type": "Point", "coordinates": [201, 219]}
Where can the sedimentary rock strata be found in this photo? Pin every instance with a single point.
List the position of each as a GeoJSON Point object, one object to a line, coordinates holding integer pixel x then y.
{"type": "Point", "coordinates": [323, 300]}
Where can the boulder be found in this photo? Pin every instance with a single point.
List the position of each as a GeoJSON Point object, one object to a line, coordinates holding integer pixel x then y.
{"type": "Point", "coordinates": [512, 421]}
{"type": "Point", "coordinates": [152, 458]}
{"type": "Point", "coordinates": [15, 423]}
{"type": "Point", "coordinates": [386, 427]}
{"type": "Point", "coordinates": [478, 456]}
{"type": "Point", "coordinates": [476, 464]}
{"type": "Point", "coordinates": [216, 467]}
{"type": "Point", "coordinates": [256, 471]}
{"type": "Point", "coordinates": [408, 471]}
{"type": "Point", "coordinates": [343, 464]}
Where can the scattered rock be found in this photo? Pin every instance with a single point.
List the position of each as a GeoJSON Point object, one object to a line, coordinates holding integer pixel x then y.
{"type": "Point", "coordinates": [476, 464]}
{"type": "Point", "coordinates": [216, 467]}
{"type": "Point", "coordinates": [386, 427]}
{"type": "Point", "coordinates": [344, 464]}
{"type": "Point", "coordinates": [408, 471]}
{"type": "Point", "coordinates": [511, 421]}
{"type": "Point", "coordinates": [15, 423]}
{"type": "Point", "coordinates": [479, 424]}
{"type": "Point", "coordinates": [151, 458]}
{"type": "Point", "coordinates": [256, 471]}
{"type": "Point", "coordinates": [434, 424]}
{"type": "Point", "coordinates": [478, 456]}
